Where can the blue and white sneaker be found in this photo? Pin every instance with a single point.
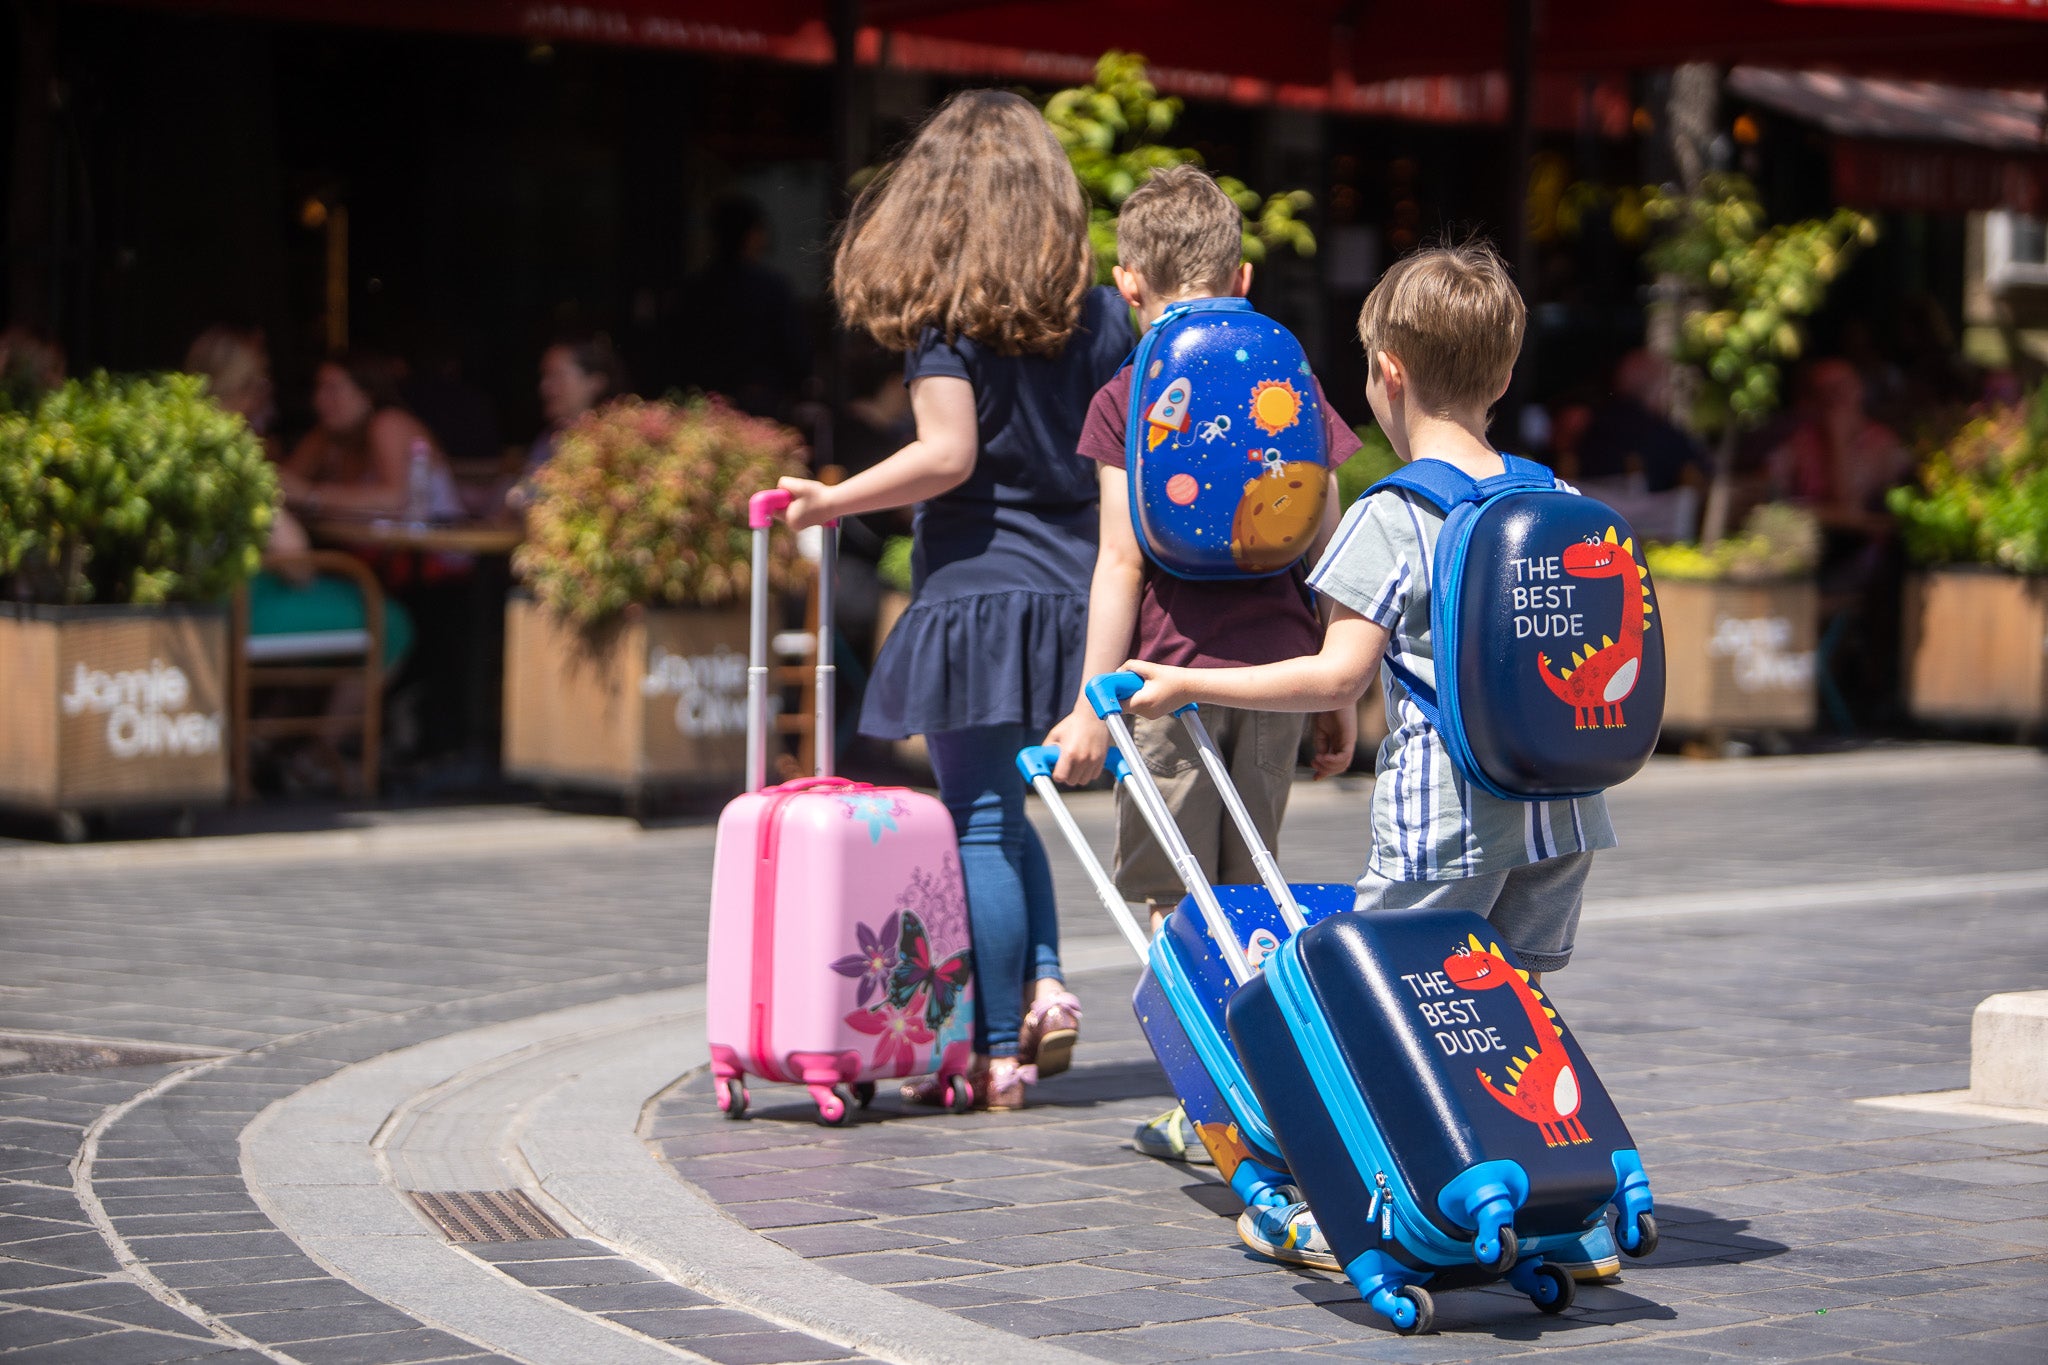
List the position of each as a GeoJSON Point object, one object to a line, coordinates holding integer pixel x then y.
{"type": "Point", "coordinates": [1286, 1232]}
{"type": "Point", "coordinates": [1593, 1258]}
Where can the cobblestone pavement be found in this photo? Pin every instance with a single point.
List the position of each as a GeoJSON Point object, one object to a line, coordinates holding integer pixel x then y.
{"type": "Point", "coordinates": [1798, 1224]}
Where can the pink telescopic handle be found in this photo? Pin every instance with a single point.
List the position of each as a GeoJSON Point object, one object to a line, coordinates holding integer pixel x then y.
{"type": "Point", "coordinates": [763, 506]}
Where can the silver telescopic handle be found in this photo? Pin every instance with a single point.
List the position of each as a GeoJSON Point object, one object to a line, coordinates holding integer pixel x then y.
{"type": "Point", "coordinates": [1262, 858]}
{"type": "Point", "coordinates": [1112, 899]}
{"type": "Point", "coordinates": [757, 667]}
{"type": "Point", "coordinates": [1152, 806]}
{"type": "Point", "coordinates": [826, 685]}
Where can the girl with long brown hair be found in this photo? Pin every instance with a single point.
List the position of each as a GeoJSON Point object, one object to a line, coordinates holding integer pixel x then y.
{"type": "Point", "coordinates": [971, 254]}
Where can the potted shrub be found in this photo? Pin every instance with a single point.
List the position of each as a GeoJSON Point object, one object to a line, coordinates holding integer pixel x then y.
{"type": "Point", "coordinates": [130, 509]}
{"type": "Point", "coordinates": [626, 659]}
{"type": "Point", "coordinates": [1740, 619]}
{"type": "Point", "coordinates": [1976, 608]}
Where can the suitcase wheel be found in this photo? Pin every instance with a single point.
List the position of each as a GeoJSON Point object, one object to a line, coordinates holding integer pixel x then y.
{"type": "Point", "coordinates": [959, 1095]}
{"type": "Point", "coordinates": [864, 1093]}
{"type": "Point", "coordinates": [1502, 1260]}
{"type": "Point", "coordinates": [832, 1110]}
{"type": "Point", "coordinates": [1409, 1308]}
{"type": "Point", "coordinates": [732, 1097]}
{"type": "Point", "coordinates": [1554, 1288]}
{"type": "Point", "coordinates": [1646, 1236]}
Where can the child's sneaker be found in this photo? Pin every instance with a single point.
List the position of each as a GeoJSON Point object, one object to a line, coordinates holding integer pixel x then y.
{"type": "Point", "coordinates": [1287, 1233]}
{"type": "Point", "coordinates": [1170, 1138]}
{"type": "Point", "coordinates": [1594, 1257]}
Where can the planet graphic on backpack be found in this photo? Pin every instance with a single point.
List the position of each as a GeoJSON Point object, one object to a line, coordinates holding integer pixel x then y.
{"type": "Point", "coordinates": [1278, 514]}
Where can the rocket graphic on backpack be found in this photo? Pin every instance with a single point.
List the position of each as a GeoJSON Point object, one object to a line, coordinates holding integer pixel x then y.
{"type": "Point", "coordinates": [1224, 445]}
{"type": "Point", "coordinates": [1543, 625]}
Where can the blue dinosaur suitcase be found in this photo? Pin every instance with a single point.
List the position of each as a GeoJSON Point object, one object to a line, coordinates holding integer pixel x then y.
{"type": "Point", "coordinates": [1433, 1109]}
{"type": "Point", "coordinates": [1188, 977]}
{"type": "Point", "coordinates": [1224, 444]}
{"type": "Point", "coordinates": [1549, 669]}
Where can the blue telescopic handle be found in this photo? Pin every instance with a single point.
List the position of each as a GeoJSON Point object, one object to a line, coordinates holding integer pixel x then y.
{"type": "Point", "coordinates": [1107, 693]}
{"type": "Point", "coordinates": [1040, 759]}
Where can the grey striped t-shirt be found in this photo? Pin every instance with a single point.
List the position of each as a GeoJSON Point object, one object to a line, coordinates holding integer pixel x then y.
{"type": "Point", "coordinates": [1428, 824]}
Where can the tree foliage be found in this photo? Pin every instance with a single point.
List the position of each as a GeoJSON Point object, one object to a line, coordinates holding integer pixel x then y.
{"type": "Point", "coordinates": [1749, 284]}
{"type": "Point", "coordinates": [142, 490]}
{"type": "Point", "coordinates": [1983, 494]}
{"type": "Point", "coordinates": [1114, 130]}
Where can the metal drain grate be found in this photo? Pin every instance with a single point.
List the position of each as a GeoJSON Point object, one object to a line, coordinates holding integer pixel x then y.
{"type": "Point", "coordinates": [486, 1215]}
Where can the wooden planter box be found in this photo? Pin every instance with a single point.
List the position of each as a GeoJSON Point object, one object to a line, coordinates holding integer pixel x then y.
{"type": "Point", "coordinates": [1738, 656]}
{"type": "Point", "coordinates": [655, 700]}
{"type": "Point", "coordinates": [1976, 646]}
{"type": "Point", "coordinates": [105, 708]}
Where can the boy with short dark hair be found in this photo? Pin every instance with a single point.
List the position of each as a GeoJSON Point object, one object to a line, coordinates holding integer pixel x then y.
{"type": "Point", "coordinates": [1179, 237]}
{"type": "Point", "coordinates": [1441, 333]}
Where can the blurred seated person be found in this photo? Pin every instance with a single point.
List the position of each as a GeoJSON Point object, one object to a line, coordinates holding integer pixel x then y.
{"type": "Point", "coordinates": [1629, 436]}
{"type": "Point", "coordinates": [1837, 461]}
{"type": "Point", "coordinates": [576, 374]}
{"type": "Point", "coordinates": [235, 362]}
{"type": "Point", "coordinates": [357, 460]}
{"type": "Point", "coordinates": [287, 599]}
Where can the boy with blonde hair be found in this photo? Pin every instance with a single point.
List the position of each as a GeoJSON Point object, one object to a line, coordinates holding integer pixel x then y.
{"type": "Point", "coordinates": [1441, 332]}
{"type": "Point", "coordinates": [1179, 237]}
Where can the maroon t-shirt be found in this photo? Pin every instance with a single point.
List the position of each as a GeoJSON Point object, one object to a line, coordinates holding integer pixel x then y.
{"type": "Point", "coordinates": [1214, 623]}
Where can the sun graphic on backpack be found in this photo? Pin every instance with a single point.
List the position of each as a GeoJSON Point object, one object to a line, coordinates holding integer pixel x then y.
{"type": "Point", "coordinates": [1276, 406]}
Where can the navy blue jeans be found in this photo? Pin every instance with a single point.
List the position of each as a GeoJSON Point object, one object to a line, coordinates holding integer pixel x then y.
{"type": "Point", "coordinates": [1009, 882]}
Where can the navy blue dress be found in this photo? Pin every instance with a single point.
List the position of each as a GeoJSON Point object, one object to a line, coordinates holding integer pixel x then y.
{"type": "Point", "coordinates": [995, 631]}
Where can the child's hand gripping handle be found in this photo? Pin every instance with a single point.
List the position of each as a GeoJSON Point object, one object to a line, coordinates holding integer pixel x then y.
{"type": "Point", "coordinates": [1037, 763]}
{"type": "Point", "coordinates": [762, 509]}
{"type": "Point", "coordinates": [1107, 693]}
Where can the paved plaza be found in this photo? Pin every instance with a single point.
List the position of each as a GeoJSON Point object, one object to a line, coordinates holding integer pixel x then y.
{"type": "Point", "coordinates": [225, 1064]}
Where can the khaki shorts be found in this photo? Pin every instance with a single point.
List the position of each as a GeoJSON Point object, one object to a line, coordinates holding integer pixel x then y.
{"type": "Point", "coordinates": [1259, 748]}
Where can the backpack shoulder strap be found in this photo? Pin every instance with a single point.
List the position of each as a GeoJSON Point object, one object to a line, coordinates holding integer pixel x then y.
{"type": "Point", "coordinates": [1529, 471]}
{"type": "Point", "coordinates": [1443, 486]}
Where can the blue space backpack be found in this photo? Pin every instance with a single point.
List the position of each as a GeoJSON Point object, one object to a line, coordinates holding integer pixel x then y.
{"type": "Point", "coordinates": [1227, 459]}
{"type": "Point", "coordinates": [1549, 665]}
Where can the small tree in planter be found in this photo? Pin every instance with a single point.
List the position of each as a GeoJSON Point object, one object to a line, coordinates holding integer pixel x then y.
{"type": "Point", "coordinates": [129, 509]}
{"type": "Point", "coordinates": [626, 667]}
{"type": "Point", "coordinates": [1976, 626]}
{"type": "Point", "coordinates": [1746, 287]}
{"type": "Point", "coordinates": [1742, 615]}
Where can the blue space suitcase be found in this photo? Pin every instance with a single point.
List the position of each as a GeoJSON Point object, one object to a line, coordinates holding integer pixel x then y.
{"type": "Point", "coordinates": [1438, 1116]}
{"type": "Point", "coordinates": [1188, 975]}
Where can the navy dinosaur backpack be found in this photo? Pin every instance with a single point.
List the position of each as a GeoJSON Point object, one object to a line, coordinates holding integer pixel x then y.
{"type": "Point", "coordinates": [1224, 444]}
{"type": "Point", "coordinates": [1549, 666]}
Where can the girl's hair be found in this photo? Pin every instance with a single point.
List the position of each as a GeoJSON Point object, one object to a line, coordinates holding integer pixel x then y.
{"type": "Point", "coordinates": [594, 354]}
{"type": "Point", "coordinates": [979, 230]}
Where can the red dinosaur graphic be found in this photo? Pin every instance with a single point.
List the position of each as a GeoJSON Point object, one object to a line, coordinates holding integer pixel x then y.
{"type": "Point", "coordinates": [1542, 1087]}
{"type": "Point", "coordinates": [1601, 679]}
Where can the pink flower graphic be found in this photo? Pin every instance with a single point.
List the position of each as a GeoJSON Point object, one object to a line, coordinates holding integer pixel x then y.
{"type": "Point", "coordinates": [901, 1030]}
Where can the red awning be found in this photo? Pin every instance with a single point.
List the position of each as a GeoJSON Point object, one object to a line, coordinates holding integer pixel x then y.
{"type": "Point", "coordinates": [1309, 52]}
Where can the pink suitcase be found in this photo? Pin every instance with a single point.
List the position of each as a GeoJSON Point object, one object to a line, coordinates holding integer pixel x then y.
{"type": "Point", "coordinates": [840, 949]}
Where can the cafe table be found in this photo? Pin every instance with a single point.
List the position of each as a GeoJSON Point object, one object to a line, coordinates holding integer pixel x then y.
{"type": "Point", "coordinates": [490, 545]}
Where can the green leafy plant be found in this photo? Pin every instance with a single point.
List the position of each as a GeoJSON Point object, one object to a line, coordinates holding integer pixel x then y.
{"type": "Point", "coordinates": [1368, 465]}
{"type": "Point", "coordinates": [131, 490]}
{"type": "Point", "coordinates": [1113, 130]}
{"type": "Point", "coordinates": [1983, 493]}
{"type": "Point", "coordinates": [1779, 541]}
{"type": "Point", "coordinates": [894, 566]}
{"type": "Point", "coordinates": [1746, 285]}
{"type": "Point", "coordinates": [646, 503]}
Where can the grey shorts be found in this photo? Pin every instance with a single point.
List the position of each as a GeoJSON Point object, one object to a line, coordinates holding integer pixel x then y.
{"type": "Point", "coordinates": [1535, 908]}
{"type": "Point", "coordinates": [1259, 748]}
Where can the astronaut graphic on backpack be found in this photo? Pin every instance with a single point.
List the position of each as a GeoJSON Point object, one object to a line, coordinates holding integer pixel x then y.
{"type": "Point", "coordinates": [1225, 448]}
